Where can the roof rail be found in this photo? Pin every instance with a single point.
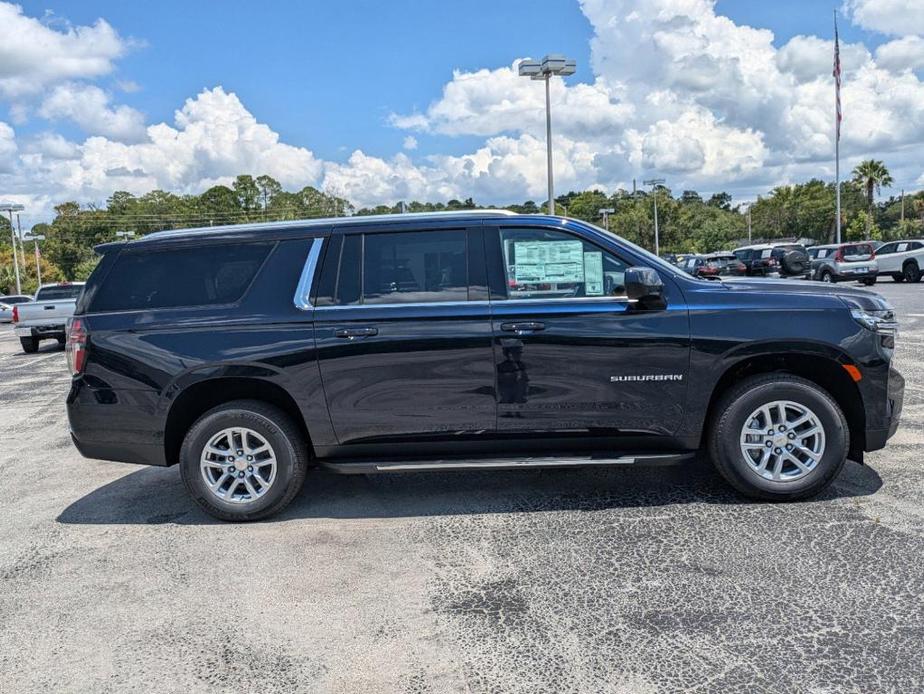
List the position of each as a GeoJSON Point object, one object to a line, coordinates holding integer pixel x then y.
{"type": "Point", "coordinates": [324, 221]}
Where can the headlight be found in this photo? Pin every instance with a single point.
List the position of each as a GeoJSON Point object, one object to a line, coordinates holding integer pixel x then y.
{"type": "Point", "coordinates": [879, 321]}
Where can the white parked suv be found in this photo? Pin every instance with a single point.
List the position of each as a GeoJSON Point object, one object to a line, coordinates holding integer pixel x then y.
{"type": "Point", "coordinates": [903, 261]}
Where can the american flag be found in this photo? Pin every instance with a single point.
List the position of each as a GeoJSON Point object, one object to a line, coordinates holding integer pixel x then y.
{"type": "Point", "coordinates": [837, 79]}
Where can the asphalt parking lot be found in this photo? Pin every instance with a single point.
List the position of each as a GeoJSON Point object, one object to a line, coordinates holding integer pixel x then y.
{"type": "Point", "coordinates": [628, 580]}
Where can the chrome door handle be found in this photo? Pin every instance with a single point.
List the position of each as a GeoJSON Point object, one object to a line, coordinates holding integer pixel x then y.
{"type": "Point", "coordinates": [356, 332]}
{"type": "Point", "coordinates": [524, 327]}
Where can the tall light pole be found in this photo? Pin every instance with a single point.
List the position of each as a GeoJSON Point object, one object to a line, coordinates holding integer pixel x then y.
{"type": "Point", "coordinates": [654, 183]}
{"type": "Point", "coordinates": [10, 208]}
{"type": "Point", "coordinates": [38, 270]}
{"type": "Point", "coordinates": [606, 212]}
{"type": "Point", "coordinates": [552, 64]}
{"type": "Point", "coordinates": [749, 221]}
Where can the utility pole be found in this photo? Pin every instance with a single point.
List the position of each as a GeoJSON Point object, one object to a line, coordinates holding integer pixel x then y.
{"type": "Point", "coordinates": [749, 222]}
{"type": "Point", "coordinates": [10, 208]}
{"type": "Point", "coordinates": [654, 183]}
{"type": "Point", "coordinates": [22, 245]}
{"type": "Point", "coordinates": [35, 238]}
{"type": "Point", "coordinates": [903, 205]}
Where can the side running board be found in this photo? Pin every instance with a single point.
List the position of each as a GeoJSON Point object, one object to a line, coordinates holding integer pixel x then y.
{"type": "Point", "coordinates": [512, 463]}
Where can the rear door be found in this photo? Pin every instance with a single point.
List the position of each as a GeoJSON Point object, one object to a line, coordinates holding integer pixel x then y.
{"type": "Point", "coordinates": [573, 355]}
{"type": "Point", "coordinates": [403, 332]}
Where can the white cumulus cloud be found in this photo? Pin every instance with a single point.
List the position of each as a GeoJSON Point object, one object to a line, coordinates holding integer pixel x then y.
{"type": "Point", "coordinates": [89, 107]}
{"type": "Point", "coordinates": [34, 55]}
{"type": "Point", "coordinates": [899, 17]}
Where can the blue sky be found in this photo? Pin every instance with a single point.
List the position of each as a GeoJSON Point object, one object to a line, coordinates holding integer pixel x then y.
{"type": "Point", "coordinates": [327, 74]}
{"type": "Point", "coordinates": [387, 101]}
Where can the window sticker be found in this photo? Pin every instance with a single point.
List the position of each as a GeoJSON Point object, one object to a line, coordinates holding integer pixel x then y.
{"type": "Point", "coordinates": [548, 261]}
{"type": "Point", "coordinates": [593, 273]}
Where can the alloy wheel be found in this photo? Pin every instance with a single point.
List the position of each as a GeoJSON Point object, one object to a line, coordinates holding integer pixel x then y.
{"type": "Point", "coordinates": [782, 441]}
{"type": "Point", "coordinates": [238, 465]}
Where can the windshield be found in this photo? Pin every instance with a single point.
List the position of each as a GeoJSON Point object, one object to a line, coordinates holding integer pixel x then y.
{"type": "Point", "coordinates": [59, 293]}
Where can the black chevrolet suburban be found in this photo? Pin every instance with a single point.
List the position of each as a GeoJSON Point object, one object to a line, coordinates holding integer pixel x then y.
{"type": "Point", "coordinates": [471, 340]}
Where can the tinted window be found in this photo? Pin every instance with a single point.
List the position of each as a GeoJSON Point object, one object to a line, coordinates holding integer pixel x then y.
{"type": "Point", "coordinates": [886, 249]}
{"type": "Point", "coordinates": [916, 245]}
{"type": "Point", "coordinates": [413, 267]}
{"type": "Point", "coordinates": [858, 249]}
{"type": "Point", "coordinates": [205, 275]}
{"type": "Point", "coordinates": [546, 264]}
{"type": "Point", "coordinates": [743, 255]}
{"type": "Point", "coordinates": [10, 300]}
{"type": "Point", "coordinates": [348, 279]}
{"type": "Point", "coordinates": [67, 291]}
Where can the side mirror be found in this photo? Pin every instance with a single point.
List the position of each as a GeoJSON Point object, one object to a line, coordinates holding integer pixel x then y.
{"type": "Point", "coordinates": [644, 286]}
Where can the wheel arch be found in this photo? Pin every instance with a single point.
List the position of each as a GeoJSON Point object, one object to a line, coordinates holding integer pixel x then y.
{"type": "Point", "coordinates": [197, 398]}
{"type": "Point", "coordinates": [825, 371]}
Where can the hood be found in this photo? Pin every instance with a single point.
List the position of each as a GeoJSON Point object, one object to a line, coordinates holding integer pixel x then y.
{"type": "Point", "coordinates": [853, 297]}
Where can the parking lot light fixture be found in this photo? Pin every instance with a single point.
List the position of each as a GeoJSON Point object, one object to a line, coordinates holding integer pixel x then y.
{"type": "Point", "coordinates": [606, 212]}
{"type": "Point", "coordinates": [125, 235]}
{"type": "Point", "coordinates": [10, 208]}
{"type": "Point", "coordinates": [654, 183]}
{"type": "Point", "coordinates": [552, 64]}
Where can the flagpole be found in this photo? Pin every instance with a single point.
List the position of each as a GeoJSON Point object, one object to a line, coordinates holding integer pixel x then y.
{"type": "Point", "coordinates": [837, 184]}
{"type": "Point", "coordinates": [837, 133]}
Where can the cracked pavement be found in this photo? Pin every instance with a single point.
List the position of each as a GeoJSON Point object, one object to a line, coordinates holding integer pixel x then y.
{"type": "Point", "coordinates": [622, 580]}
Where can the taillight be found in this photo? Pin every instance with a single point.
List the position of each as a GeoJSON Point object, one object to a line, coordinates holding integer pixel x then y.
{"type": "Point", "coordinates": [76, 346]}
{"type": "Point", "coordinates": [15, 314]}
{"type": "Point", "coordinates": [839, 255]}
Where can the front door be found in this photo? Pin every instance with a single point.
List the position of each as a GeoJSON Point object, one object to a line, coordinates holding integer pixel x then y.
{"type": "Point", "coordinates": [403, 332]}
{"type": "Point", "coordinates": [573, 355]}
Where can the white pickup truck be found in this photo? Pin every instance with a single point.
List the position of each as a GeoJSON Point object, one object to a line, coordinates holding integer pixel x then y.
{"type": "Point", "coordinates": [45, 318]}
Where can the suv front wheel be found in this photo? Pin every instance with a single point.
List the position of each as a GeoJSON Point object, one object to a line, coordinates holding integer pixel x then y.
{"type": "Point", "coordinates": [778, 437]}
{"type": "Point", "coordinates": [244, 460]}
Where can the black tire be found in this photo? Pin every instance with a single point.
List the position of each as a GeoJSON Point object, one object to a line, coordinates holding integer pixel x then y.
{"type": "Point", "coordinates": [898, 277]}
{"type": "Point", "coordinates": [61, 341]}
{"type": "Point", "coordinates": [869, 281]}
{"type": "Point", "coordinates": [277, 428]}
{"type": "Point", "coordinates": [911, 272]}
{"type": "Point", "coordinates": [736, 406]}
{"type": "Point", "coordinates": [827, 276]}
{"type": "Point", "coordinates": [30, 345]}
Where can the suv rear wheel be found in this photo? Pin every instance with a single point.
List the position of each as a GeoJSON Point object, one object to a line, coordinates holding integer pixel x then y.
{"type": "Point", "coordinates": [778, 437]}
{"type": "Point", "coordinates": [911, 272]}
{"type": "Point", "coordinates": [244, 460]}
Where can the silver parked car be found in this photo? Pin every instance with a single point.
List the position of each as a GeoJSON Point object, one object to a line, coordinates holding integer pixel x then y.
{"type": "Point", "coordinates": [844, 262]}
{"type": "Point", "coordinates": [7, 303]}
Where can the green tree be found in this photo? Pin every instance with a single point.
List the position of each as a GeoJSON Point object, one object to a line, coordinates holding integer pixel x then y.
{"type": "Point", "coordinates": [871, 175]}
{"type": "Point", "coordinates": [269, 188]}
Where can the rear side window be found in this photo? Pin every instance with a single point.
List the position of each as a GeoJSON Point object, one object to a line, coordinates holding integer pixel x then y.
{"type": "Point", "coordinates": [65, 291]}
{"type": "Point", "coordinates": [414, 267]}
{"type": "Point", "coordinates": [200, 276]}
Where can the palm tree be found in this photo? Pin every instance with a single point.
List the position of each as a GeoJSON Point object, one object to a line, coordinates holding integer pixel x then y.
{"type": "Point", "coordinates": [870, 175]}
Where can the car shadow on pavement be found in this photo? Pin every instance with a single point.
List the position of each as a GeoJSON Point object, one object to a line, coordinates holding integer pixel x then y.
{"type": "Point", "coordinates": [156, 495]}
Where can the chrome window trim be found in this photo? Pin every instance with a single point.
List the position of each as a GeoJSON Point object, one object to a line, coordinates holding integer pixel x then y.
{"type": "Point", "coordinates": [500, 303]}
{"type": "Point", "coordinates": [302, 298]}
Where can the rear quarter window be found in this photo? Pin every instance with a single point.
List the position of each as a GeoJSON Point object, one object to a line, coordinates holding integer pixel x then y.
{"type": "Point", "coordinates": [198, 276]}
